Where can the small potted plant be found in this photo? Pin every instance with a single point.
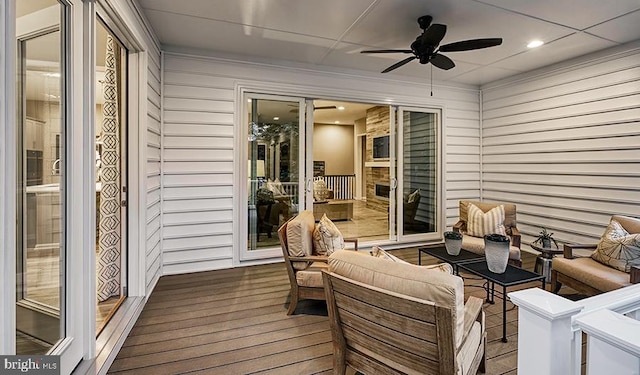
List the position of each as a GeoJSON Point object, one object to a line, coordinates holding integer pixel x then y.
{"type": "Point", "coordinates": [453, 242]}
{"type": "Point", "coordinates": [545, 238]}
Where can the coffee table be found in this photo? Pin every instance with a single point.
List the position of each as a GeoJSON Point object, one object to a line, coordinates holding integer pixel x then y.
{"type": "Point", "coordinates": [511, 277]}
{"type": "Point", "coordinates": [439, 251]}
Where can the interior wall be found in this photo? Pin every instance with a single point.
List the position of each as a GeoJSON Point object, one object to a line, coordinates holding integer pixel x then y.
{"type": "Point", "coordinates": [564, 146]}
{"type": "Point", "coordinates": [333, 144]}
{"type": "Point", "coordinates": [200, 136]}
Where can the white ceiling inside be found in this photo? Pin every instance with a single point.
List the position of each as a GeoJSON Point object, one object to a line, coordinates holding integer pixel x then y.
{"type": "Point", "coordinates": [333, 32]}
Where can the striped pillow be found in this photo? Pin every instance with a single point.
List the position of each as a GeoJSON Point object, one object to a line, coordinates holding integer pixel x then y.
{"type": "Point", "coordinates": [480, 223]}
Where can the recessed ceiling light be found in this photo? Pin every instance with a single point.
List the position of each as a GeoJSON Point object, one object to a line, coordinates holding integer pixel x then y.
{"type": "Point", "coordinates": [341, 108]}
{"type": "Point", "coordinates": [535, 43]}
{"type": "Point", "coordinates": [276, 118]}
{"type": "Point", "coordinates": [248, 100]}
{"type": "Point", "coordinates": [336, 122]}
{"type": "Point", "coordinates": [54, 75]}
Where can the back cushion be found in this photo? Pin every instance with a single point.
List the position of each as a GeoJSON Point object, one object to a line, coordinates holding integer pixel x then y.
{"type": "Point", "coordinates": [509, 211]}
{"type": "Point", "coordinates": [630, 224]}
{"type": "Point", "coordinates": [443, 289]}
{"type": "Point", "coordinates": [300, 237]}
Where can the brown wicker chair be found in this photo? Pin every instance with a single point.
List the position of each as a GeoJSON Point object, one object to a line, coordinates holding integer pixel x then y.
{"type": "Point", "coordinates": [305, 283]}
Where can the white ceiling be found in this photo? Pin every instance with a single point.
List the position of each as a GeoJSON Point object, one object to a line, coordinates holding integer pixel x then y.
{"type": "Point", "coordinates": [333, 32]}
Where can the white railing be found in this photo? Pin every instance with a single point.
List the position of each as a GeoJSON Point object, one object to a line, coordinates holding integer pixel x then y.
{"type": "Point", "coordinates": [343, 186]}
{"type": "Point", "coordinates": [550, 331]}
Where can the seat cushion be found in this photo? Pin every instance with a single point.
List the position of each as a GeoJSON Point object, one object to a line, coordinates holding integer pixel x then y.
{"type": "Point", "coordinates": [618, 248]}
{"type": "Point", "coordinates": [312, 276]}
{"type": "Point", "coordinates": [469, 349]}
{"type": "Point", "coordinates": [300, 237]}
{"type": "Point", "coordinates": [327, 237]}
{"type": "Point", "coordinates": [592, 273]}
{"type": "Point", "coordinates": [443, 289]}
{"type": "Point", "coordinates": [476, 245]}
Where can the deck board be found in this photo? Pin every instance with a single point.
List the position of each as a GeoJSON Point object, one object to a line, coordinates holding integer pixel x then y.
{"type": "Point", "coordinates": [234, 321]}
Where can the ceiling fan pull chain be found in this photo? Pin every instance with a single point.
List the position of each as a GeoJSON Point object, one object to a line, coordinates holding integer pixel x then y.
{"type": "Point", "coordinates": [431, 79]}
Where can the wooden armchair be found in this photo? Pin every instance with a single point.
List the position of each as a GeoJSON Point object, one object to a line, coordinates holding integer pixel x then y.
{"type": "Point", "coordinates": [405, 320]}
{"type": "Point", "coordinates": [586, 275]}
{"type": "Point", "coordinates": [304, 271]}
{"type": "Point", "coordinates": [476, 244]}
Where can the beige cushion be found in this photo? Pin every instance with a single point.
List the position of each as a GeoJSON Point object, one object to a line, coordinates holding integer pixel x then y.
{"type": "Point", "coordinates": [481, 223]}
{"type": "Point", "coordinates": [413, 196]}
{"type": "Point", "coordinates": [439, 287]}
{"type": "Point", "coordinates": [617, 248]}
{"type": "Point", "coordinates": [327, 237]}
{"type": "Point", "coordinates": [469, 349]}
{"type": "Point", "coordinates": [476, 245]}
{"type": "Point", "coordinates": [379, 252]}
{"type": "Point", "coordinates": [630, 224]}
{"type": "Point", "coordinates": [300, 237]}
{"type": "Point", "coordinates": [592, 273]}
{"type": "Point", "coordinates": [509, 211]}
{"type": "Point", "coordinates": [312, 276]}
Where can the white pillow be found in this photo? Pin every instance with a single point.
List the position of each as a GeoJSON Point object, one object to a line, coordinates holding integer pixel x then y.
{"type": "Point", "coordinates": [327, 237]}
{"type": "Point", "coordinates": [481, 223]}
{"type": "Point", "coordinates": [617, 248]}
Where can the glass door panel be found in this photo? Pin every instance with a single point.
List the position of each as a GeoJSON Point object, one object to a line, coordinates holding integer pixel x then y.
{"type": "Point", "coordinates": [418, 169]}
{"type": "Point", "coordinates": [41, 181]}
{"type": "Point", "coordinates": [275, 170]}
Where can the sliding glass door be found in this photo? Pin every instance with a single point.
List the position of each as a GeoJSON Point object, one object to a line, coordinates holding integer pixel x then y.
{"type": "Point", "coordinates": [275, 171]}
{"type": "Point", "coordinates": [419, 195]}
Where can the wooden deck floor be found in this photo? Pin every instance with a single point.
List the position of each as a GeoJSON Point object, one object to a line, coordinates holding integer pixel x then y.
{"type": "Point", "coordinates": [234, 322]}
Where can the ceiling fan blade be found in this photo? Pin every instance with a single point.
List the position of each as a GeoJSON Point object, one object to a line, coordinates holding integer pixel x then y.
{"type": "Point", "coordinates": [388, 51]}
{"type": "Point", "coordinates": [442, 61]}
{"type": "Point", "coordinates": [399, 64]}
{"type": "Point", "coordinates": [467, 45]}
{"type": "Point", "coordinates": [433, 35]}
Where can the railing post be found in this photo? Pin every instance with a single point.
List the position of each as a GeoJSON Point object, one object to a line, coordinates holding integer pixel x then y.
{"type": "Point", "coordinates": [613, 345]}
{"type": "Point", "coordinates": [545, 337]}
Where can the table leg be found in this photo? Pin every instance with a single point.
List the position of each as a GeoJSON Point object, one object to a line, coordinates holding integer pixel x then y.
{"type": "Point", "coordinates": [544, 284]}
{"type": "Point", "coordinates": [504, 313]}
{"type": "Point", "coordinates": [488, 299]}
{"type": "Point", "coordinates": [419, 257]}
{"type": "Point", "coordinates": [493, 292]}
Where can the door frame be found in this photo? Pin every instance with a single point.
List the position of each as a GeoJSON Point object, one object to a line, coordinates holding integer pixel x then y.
{"type": "Point", "coordinates": [440, 167]}
{"type": "Point", "coordinates": [241, 225]}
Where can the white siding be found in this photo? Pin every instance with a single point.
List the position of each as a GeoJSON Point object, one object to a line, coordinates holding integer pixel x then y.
{"type": "Point", "coordinates": [199, 142]}
{"type": "Point", "coordinates": [565, 146]}
{"type": "Point", "coordinates": [153, 145]}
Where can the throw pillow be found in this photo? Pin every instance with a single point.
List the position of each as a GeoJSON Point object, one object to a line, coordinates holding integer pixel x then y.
{"type": "Point", "coordinates": [327, 237]}
{"type": "Point", "coordinates": [480, 223]}
{"type": "Point", "coordinates": [379, 252]}
{"type": "Point", "coordinates": [413, 196]}
{"type": "Point", "coordinates": [617, 248]}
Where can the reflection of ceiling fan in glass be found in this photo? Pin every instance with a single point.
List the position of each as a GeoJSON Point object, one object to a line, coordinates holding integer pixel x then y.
{"type": "Point", "coordinates": [295, 110]}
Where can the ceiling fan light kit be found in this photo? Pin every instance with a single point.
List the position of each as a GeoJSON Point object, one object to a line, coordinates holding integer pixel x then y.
{"type": "Point", "coordinates": [426, 47]}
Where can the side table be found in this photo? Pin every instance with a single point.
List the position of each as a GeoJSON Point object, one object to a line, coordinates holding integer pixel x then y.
{"type": "Point", "coordinates": [544, 260]}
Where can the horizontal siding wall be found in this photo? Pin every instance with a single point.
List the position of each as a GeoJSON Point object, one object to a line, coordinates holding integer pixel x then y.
{"type": "Point", "coordinates": [154, 139]}
{"type": "Point", "coordinates": [199, 144]}
{"type": "Point", "coordinates": [565, 147]}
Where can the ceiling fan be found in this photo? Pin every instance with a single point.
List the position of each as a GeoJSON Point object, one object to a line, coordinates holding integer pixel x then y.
{"type": "Point", "coordinates": [425, 48]}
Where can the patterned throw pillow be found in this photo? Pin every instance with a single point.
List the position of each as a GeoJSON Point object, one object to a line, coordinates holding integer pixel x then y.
{"type": "Point", "coordinates": [617, 248]}
{"type": "Point", "coordinates": [480, 223]}
{"type": "Point", "coordinates": [327, 237]}
{"type": "Point", "coordinates": [413, 196]}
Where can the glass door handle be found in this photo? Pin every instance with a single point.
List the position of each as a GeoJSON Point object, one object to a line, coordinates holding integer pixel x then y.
{"type": "Point", "coordinates": [309, 183]}
{"type": "Point", "coordinates": [394, 183]}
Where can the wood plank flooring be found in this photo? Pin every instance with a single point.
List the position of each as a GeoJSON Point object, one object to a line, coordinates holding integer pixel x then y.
{"type": "Point", "coordinates": [234, 322]}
